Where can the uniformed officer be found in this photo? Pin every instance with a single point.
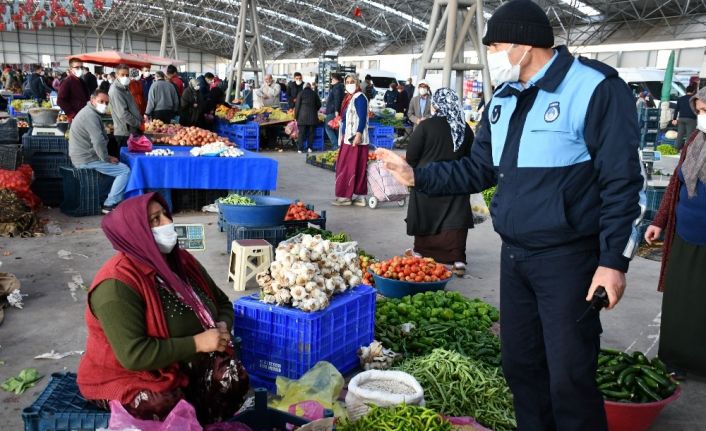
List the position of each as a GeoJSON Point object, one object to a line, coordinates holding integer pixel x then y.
{"type": "Point", "coordinates": [560, 140]}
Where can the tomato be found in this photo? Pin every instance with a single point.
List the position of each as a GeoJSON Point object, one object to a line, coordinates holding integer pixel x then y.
{"type": "Point", "coordinates": [407, 271]}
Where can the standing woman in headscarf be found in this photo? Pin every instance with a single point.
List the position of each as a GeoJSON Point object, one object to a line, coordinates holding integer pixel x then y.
{"type": "Point", "coordinates": [682, 217]}
{"type": "Point", "coordinates": [440, 224]}
{"type": "Point", "coordinates": [192, 105]}
{"type": "Point", "coordinates": [158, 326]}
{"type": "Point", "coordinates": [352, 164]}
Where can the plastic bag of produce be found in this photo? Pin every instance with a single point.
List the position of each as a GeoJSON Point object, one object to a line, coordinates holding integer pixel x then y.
{"type": "Point", "coordinates": [479, 208]}
{"type": "Point", "coordinates": [182, 417]}
{"type": "Point", "coordinates": [322, 383]}
{"type": "Point", "coordinates": [335, 122]}
{"type": "Point", "coordinates": [292, 129]}
{"type": "Point", "coordinates": [383, 389]}
{"type": "Point", "coordinates": [139, 144]}
{"type": "Point", "coordinates": [383, 185]}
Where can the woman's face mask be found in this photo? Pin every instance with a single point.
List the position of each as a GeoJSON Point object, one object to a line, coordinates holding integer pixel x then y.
{"type": "Point", "coordinates": [350, 88]}
{"type": "Point", "coordinates": [166, 237]}
{"type": "Point", "coordinates": [701, 122]}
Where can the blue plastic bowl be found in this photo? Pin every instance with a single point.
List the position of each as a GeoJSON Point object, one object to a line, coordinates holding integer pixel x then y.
{"type": "Point", "coordinates": [267, 211]}
{"type": "Point", "coordinates": [397, 289]}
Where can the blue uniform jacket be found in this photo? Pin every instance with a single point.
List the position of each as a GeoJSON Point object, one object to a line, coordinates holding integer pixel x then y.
{"type": "Point", "coordinates": [563, 153]}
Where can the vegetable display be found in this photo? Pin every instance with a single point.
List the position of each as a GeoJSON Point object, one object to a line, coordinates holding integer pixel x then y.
{"type": "Point", "coordinates": [325, 234]}
{"type": "Point", "coordinates": [307, 271]}
{"type": "Point", "coordinates": [402, 417]}
{"type": "Point", "coordinates": [236, 199]}
{"type": "Point", "coordinates": [192, 136]}
{"type": "Point", "coordinates": [299, 211]}
{"type": "Point", "coordinates": [21, 124]}
{"type": "Point", "coordinates": [480, 345]}
{"type": "Point", "coordinates": [667, 150]}
{"type": "Point", "coordinates": [391, 121]}
{"type": "Point", "coordinates": [455, 385]}
{"type": "Point", "coordinates": [425, 308]}
{"type": "Point", "coordinates": [220, 148]}
{"type": "Point", "coordinates": [328, 158]}
{"type": "Point", "coordinates": [411, 268]}
{"type": "Point", "coordinates": [162, 128]}
{"type": "Point", "coordinates": [632, 378]}
{"type": "Point", "coordinates": [366, 260]}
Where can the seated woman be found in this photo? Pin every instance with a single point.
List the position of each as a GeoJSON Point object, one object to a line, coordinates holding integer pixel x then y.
{"type": "Point", "coordinates": [158, 326]}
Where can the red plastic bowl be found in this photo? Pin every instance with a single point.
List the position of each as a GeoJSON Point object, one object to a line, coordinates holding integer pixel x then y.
{"type": "Point", "coordinates": [635, 416]}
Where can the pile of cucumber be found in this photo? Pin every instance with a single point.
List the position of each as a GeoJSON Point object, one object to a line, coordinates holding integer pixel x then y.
{"type": "Point", "coordinates": [632, 378]}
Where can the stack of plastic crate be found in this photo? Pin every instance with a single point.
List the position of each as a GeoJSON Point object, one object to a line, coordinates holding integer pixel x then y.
{"type": "Point", "coordinates": [46, 154]}
{"type": "Point", "coordinates": [247, 136]}
{"type": "Point", "coordinates": [649, 127]}
{"type": "Point", "coordinates": [381, 136]}
{"type": "Point", "coordinates": [318, 144]}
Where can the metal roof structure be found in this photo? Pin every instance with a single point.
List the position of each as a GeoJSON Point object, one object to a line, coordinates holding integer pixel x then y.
{"type": "Point", "coordinates": [306, 28]}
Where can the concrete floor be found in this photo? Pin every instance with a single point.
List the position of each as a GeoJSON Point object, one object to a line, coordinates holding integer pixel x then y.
{"type": "Point", "coordinates": [52, 318]}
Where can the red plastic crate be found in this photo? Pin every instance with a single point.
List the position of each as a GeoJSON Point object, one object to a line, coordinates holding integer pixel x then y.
{"type": "Point", "coordinates": [289, 342]}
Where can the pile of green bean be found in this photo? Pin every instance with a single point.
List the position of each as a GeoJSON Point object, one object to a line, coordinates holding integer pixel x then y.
{"type": "Point", "coordinates": [402, 418]}
{"type": "Point", "coordinates": [455, 385]}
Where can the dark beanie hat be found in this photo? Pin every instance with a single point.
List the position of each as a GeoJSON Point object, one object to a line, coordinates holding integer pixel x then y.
{"type": "Point", "coordinates": [522, 22]}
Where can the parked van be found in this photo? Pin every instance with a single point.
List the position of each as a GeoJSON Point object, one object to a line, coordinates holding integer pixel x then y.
{"type": "Point", "coordinates": [650, 79]}
{"type": "Point", "coordinates": [381, 80]}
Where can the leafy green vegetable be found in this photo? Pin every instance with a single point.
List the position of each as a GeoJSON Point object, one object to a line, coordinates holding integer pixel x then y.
{"type": "Point", "coordinates": [25, 380]}
{"type": "Point", "coordinates": [667, 150]}
{"type": "Point", "coordinates": [325, 234]}
{"type": "Point", "coordinates": [488, 195]}
{"type": "Point", "coordinates": [236, 199]}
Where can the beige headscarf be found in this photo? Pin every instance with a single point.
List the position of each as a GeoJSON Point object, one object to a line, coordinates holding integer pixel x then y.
{"type": "Point", "coordinates": [694, 167]}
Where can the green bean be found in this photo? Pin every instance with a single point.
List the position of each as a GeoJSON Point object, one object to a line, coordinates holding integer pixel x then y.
{"type": "Point", "coordinates": [403, 418]}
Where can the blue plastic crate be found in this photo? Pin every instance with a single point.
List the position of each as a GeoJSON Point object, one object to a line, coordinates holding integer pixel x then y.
{"type": "Point", "coordinates": [272, 234]}
{"type": "Point", "coordinates": [247, 130]}
{"type": "Point", "coordinates": [318, 144]}
{"type": "Point", "coordinates": [385, 142]}
{"type": "Point", "coordinates": [379, 130]}
{"type": "Point", "coordinates": [47, 165]}
{"type": "Point", "coordinates": [250, 144]}
{"type": "Point", "coordinates": [85, 190]}
{"type": "Point", "coordinates": [289, 342]}
{"type": "Point", "coordinates": [654, 199]}
{"type": "Point", "coordinates": [60, 407]}
{"type": "Point", "coordinates": [319, 132]}
{"type": "Point", "coordinates": [43, 144]}
{"type": "Point", "coordinates": [10, 157]}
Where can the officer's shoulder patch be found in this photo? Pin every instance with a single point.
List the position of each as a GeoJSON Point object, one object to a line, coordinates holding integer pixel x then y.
{"type": "Point", "coordinates": [495, 114]}
{"type": "Point", "coordinates": [599, 66]}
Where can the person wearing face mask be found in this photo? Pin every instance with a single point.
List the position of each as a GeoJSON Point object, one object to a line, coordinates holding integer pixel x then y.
{"type": "Point", "coordinates": [90, 80]}
{"type": "Point", "coordinates": [682, 217]}
{"type": "Point", "coordinates": [126, 115]}
{"type": "Point", "coordinates": [163, 100]}
{"type": "Point", "coordinates": [294, 89]}
{"type": "Point", "coordinates": [135, 88]}
{"type": "Point", "coordinates": [267, 95]}
{"type": "Point", "coordinates": [38, 87]}
{"type": "Point", "coordinates": [402, 101]}
{"type": "Point", "coordinates": [420, 105]}
{"type": "Point", "coordinates": [390, 97]}
{"type": "Point", "coordinates": [192, 104]}
{"type": "Point", "coordinates": [73, 93]}
{"type": "Point", "coordinates": [560, 140]}
{"type": "Point", "coordinates": [146, 79]}
{"type": "Point", "coordinates": [88, 148]}
{"type": "Point", "coordinates": [333, 107]}
{"type": "Point", "coordinates": [306, 113]}
{"type": "Point", "coordinates": [353, 141]}
{"type": "Point", "coordinates": [158, 326]}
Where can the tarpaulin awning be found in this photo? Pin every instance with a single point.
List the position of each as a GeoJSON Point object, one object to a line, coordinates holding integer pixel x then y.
{"type": "Point", "coordinates": [160, 61]}
{"type": "Point", "coordinates": [112, 59]}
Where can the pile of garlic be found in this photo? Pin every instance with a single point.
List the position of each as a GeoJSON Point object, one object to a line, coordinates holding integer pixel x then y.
{"type": "Point", "coordinates": [308, 270]}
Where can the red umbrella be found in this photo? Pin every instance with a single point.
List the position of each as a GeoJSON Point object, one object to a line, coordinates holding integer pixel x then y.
{"type": "Point", "coordinates": [112, 59]}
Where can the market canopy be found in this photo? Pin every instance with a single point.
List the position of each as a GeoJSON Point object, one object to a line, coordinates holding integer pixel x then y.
{"type": "Point", "coordinates": [112, 59]}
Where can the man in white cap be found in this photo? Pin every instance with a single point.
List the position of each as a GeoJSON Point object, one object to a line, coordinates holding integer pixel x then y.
{"type": "Point", "coordinates": [420, 106]}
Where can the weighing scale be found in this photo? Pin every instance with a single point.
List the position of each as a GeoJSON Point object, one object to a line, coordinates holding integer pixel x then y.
{"type": "Point", "coordinates": [649, 157]}
{"type": "Point", "coordinates": [191, 236]}
{"type": "Point", "coordinates": [51, 130]}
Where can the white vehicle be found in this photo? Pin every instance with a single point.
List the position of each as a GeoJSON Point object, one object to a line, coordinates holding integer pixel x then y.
{"type": "Point", "coordinates": [650, 79]}
{"type": "Point", "coordinates": [381, 80]}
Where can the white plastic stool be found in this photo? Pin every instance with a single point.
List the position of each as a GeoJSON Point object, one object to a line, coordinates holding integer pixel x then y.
{"type": "Point", "coordinates": [248, 257]}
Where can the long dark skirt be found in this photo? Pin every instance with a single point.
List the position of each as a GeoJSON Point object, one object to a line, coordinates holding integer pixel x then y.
{"type": "Point", "coordinates": [682, 341]}
{"type": "Point", "coordinates": [352, 171]}
{"type": "Point", "coordinates": [448, 246]}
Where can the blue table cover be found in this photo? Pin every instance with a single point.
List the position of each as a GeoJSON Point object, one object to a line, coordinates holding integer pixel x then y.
{"type": "Point", "coordinates": [184, 171]}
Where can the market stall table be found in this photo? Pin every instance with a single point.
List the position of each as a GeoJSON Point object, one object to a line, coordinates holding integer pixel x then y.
{"type": "Point", "coordinates": [184, 171]}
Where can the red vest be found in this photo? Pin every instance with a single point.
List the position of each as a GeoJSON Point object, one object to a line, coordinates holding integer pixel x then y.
{"type": "Point", "coordinates": [100, 375]}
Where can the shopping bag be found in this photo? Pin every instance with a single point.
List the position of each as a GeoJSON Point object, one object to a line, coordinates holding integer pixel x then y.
{"type": "Point", "coordinates": [181, 418]}
{"type": "Point", "coordinates": [139, 144]}
{"type": "Point", "coordinates": [383, 185]}
{"type": "Point", "coordinates": [479, 208]}
{"type": "Point", "coordinates": [292, 129]}
{"type": "Point", "coordinates": [335, 122]}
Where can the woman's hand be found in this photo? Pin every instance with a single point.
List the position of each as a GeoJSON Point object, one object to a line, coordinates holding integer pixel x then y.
{"type": "Point", "coordinates": [397, 166]}
{"type": "Point", "coordinates": [357, 139]}
{"type": "Point", "coordinates": [652, 234]}
{"type": "Point", "coordinates": [212, 340]}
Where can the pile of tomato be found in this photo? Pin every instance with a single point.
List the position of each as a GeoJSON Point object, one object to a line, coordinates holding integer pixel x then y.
{"type": "Point", "coordinates": [413, 269]}
{"type": "Point", "coordinates": [299, 211]}
{"type": "Point", "coordinates": [19, 181]}
{"type": "Point", "coordinates": [372, 156]}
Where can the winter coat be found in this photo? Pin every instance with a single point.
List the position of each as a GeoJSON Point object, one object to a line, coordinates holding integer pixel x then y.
{"type": "Point", "coordinates": [307, 107]}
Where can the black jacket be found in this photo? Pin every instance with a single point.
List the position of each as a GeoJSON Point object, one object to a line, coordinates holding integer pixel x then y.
{"type": "Point", "coordinates": [335, 98]}
{"type": "Point", "coordinates": [38, 88]}
{"type": "Point", "coordinates": [293, 91]}
{"type": "Point", "coordinates": [429, 215]}
{"type": "Point", "coordinates": [402, 102]}
{"type": "Point", "coordinates": [409, 89]}
{"type": "Point", "coordinates": [390, 99]}
{"type": "Point", "coordinates": [307, 107]}
{"type": "Point", "coordinates": [105, 86]}
{"type": "Point", "coordinates": [188, 114]}
{"type": "Point", "coordinates": [91, 82]}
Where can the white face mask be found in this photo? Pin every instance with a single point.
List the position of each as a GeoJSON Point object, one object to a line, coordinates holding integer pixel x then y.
{"type": "Point", "coordinates": [701, 122]}
{"type": "Point", "coordinates": [78, 73]}
{"type": "Point", "coordinates": [500, 68]}
{"type": "Point", "coordinates": [146, 74]}
{"type": "Point", "coordinates": [350, 88]}
{"type": "Point", "coordinates": [124, 80]}
{"type": "Point", "coordinates": [197, 88]}
{"type": "Point", "coordinates": [298, 81]}
{"type": "Point", "coordinates": [101, 108]}
{"type": "Point", "coordinates": [423, 91]}
{"type": "Point", "coordinates": [166, 237]}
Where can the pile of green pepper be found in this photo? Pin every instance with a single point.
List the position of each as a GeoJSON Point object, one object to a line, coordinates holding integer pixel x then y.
{"type": "Point", "coordinates": [632, 378]}
{"type": "Point", "coordinates": [425, 308]}
{"type": "Point", "coordinates": [455, 385]}
{"type": "Point", "coordinates": [401, 418]}
{"type": "Point", "coordinates": [481, 345]}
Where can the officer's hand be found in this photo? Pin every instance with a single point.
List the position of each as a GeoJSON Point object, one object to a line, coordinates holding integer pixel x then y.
{"type": "Point", "coordinates": [397, 166]}
{"type": "Point", "coordinates": [613, 281]}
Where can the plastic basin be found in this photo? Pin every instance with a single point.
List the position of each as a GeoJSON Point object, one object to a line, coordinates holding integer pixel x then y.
{"type": "Point", "coordinates": [635, 416]}
{"type": "Point", "coordinates": [397, 289]}
{"type": "Point", "coordinates": [267, 211]}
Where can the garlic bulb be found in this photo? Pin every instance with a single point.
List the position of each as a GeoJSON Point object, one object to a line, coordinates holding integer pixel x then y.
{"type": "Point", "coordinates": [298, 293]}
